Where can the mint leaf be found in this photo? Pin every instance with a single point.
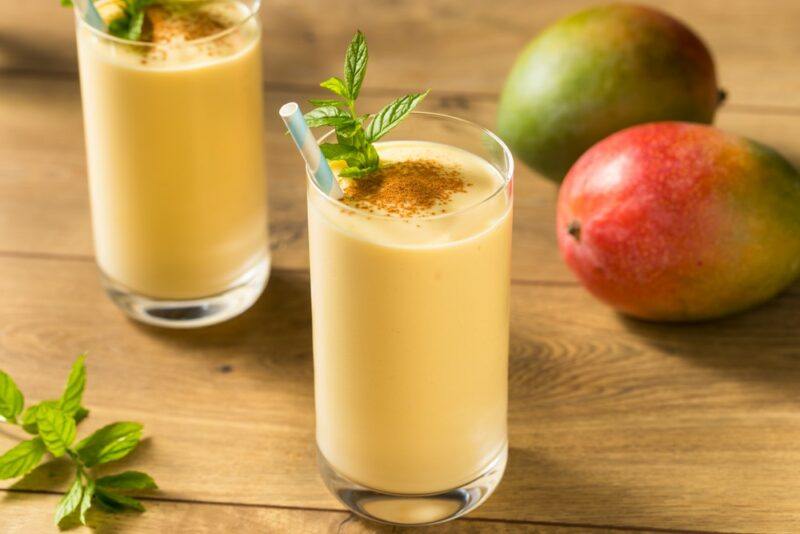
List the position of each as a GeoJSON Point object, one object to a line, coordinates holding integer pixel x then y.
{"type": "Point", "coordinates": [81, 414]}
{"type": "Point", "coordinates": [56, 429]}
{"type": "Point", "coordinates": [11, 399]}
{"type": "Point", "coordinates": [355, 64]}
{"type": "Point", "coordinates": [129, 480]}
{"type": "Point", "coordinates": [323, 102]}
{"type": "Point", "coordinates": [66, 3]}
{"type": "Point", "coordinates": [336, 151]}
{"type": "Point", "coordinates": [327, 116]}
{"type": "Point", "coordinates": [69, 502]}
{"type": "Point", "coordinates": [351, 155]}
{"type": "Point", "coordinates": [355, 159]}
{"type": "Point", "coordinates": [86, 500]}
{"type": "Point", "coordinates": [21, 459]}
{"type": "Point", "coordinates": [135, 26]}
{"type": "Point", "coordinates": [130, 26]}
{"type": "Point", "coordinates": [391, 115]}
{"type": "Point", "coordinates": [336, 85]}
{"type": "Point", "coordinates": [29, 417]}
{"type": "Point", "coordinates": [73, 393]}
{"type": "Point", "coordinates": [372, 157]}
{"type": "Point", "coordinates": [110, 443]}
{"type": "Point", "coordinates": [354, 172]}
{"type": "Point", "coordinates": [115, 502]}
{"type": "Point", "coordinates": [119, 27]}
{"type": "Point", "coordinates": [105, 503]}
{"type": "Point", "coordinates": [347, 132]}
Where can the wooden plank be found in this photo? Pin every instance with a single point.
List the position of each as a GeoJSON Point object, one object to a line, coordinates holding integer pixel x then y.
{"type": "Point", "coordinates": [24, 513]}
{"type": "Point", "coordinates": [44, 205]}
{"type": "Point", "coordinates": [451, 45]}
{"type": "Point", "coordinates": [612, 421]}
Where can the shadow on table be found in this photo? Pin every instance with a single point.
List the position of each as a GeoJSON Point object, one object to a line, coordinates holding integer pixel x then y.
{"type": "Point", "coordinates": [276, 330]}
{"type": "Point", "coordinates": [761, 345]}
{"type": "Point", "coordinates": [554, 490]}
{"type": "Point", "coordinates": [56, 473]}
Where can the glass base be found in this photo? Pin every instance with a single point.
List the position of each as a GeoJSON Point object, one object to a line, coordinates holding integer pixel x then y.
{"type": "Point", "coordinates": [413, 510]}
{"type": "Point", "coordinates": [192, 313]}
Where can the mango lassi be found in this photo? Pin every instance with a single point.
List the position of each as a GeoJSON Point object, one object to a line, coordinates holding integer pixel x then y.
{"type": "Point", "coordinates": [174, 135]}
{"type": "Point", "coordinates": [410, 300]}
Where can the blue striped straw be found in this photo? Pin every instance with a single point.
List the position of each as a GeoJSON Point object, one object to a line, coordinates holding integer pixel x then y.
{"type": "Point", "coordinates": [309, 149]}
{"type": "Point", "coordinates": [93, 17]}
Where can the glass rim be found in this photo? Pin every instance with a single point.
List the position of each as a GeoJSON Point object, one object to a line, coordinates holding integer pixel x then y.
{"type": "Point", "coordinates": [507, 176]}
{"type": "Point", "coordinates": [253, 11]}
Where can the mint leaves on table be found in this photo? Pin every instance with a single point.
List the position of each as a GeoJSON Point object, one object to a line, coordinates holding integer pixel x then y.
{"type": "Point", "coordinates": [53, 425]}
{"type": "Point", "coordinates": [354, 136]}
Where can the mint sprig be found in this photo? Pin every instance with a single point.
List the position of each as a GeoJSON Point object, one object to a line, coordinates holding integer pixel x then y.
{"type": "Point", "coordinates": [53, 423]}
{"type": "Point", "coordinates": [130, 25]}
{"type": "Point", "coordinates": [355, 65]}
{"type": "Point", "coordinates": [354, 134]}
{"type": "Point", "coordinates": [391, 115]}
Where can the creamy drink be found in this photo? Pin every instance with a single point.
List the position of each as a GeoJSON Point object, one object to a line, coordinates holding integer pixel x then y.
{"type": "Point", "coordinates": [174, 137]}
{"type": "Point", "coordinates": [410, 299]}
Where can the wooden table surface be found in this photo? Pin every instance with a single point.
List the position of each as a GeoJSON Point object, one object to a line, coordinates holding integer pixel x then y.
{"type": "Point", "coordinates": [614, 424]}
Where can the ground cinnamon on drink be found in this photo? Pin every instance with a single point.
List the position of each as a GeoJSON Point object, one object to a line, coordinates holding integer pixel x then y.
{"type": "Point", "coordinates": [164, 26]}
{"type": "Point", "coordinates": [406, 188]}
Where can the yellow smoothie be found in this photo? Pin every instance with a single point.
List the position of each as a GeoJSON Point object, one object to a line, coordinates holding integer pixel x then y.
{"type": "Point", "coordinates": [410, 324]}
{"type": "Point", "coordinates": [174, 139]}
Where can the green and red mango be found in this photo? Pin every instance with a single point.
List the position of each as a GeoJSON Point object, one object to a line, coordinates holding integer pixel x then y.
{"type": "Point", "coordinates": [599, 71]}
{"type": "Point", "coordinates": [681, 222]}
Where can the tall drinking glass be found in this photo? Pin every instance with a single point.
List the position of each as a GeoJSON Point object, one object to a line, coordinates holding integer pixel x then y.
{"type": "Point", "coordinates": [410, 326]}
{"type": "Point", "coordinates": [174, 142]}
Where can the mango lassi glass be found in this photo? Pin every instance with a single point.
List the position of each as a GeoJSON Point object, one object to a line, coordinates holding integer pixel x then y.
{"type": "Point", "coordinates": [410, 327]}
{"type": "Point", "coordinates": [174, 140]}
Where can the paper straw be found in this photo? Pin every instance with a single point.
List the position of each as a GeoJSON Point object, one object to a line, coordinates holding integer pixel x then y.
{"type": "Point", "coordinates": [93, 17]}
{"type": "Point", "coordinates": [309, 149]}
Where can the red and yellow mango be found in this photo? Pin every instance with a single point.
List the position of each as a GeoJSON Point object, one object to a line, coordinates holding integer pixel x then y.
{"type": "Point", "coordinates": [681, 222]}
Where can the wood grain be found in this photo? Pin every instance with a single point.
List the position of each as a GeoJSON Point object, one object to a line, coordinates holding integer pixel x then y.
{"type": "Point", "coordinates": [24, 513]}
{"type": "Point", "coordinates": [756, 43]}
{"type": "Point", "coordinates": [612, 421]}
{"type": "Point", "coordinates": [44, 204]}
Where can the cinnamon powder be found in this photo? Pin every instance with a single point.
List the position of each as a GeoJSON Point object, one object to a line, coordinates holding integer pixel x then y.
{"type": "Point", "coordinates": [164, 25]}
{"type": "Point", "coordinates": [407, 188]}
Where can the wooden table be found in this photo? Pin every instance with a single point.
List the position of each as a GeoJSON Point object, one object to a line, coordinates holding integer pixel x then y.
{"type": "Point", "coordinates": [614, 424]}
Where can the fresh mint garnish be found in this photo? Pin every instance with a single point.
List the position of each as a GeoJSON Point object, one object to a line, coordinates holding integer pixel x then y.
{"type": "Point", "coordinates": [53, 423]}
{"type": "Point", "coordinates": [391, 115]}
{"type": "Point", "coordinates": [129, 25]}
{"type": "Point", "coordinates": [355, 65]}
{"type": "Point", "coordinates": [354, 135]}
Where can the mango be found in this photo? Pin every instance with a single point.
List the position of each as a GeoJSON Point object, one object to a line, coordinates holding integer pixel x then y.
{"type": "Point", "coordinates": [599, 71]}
{"type": "Point", "coordinates": [681, 222]}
